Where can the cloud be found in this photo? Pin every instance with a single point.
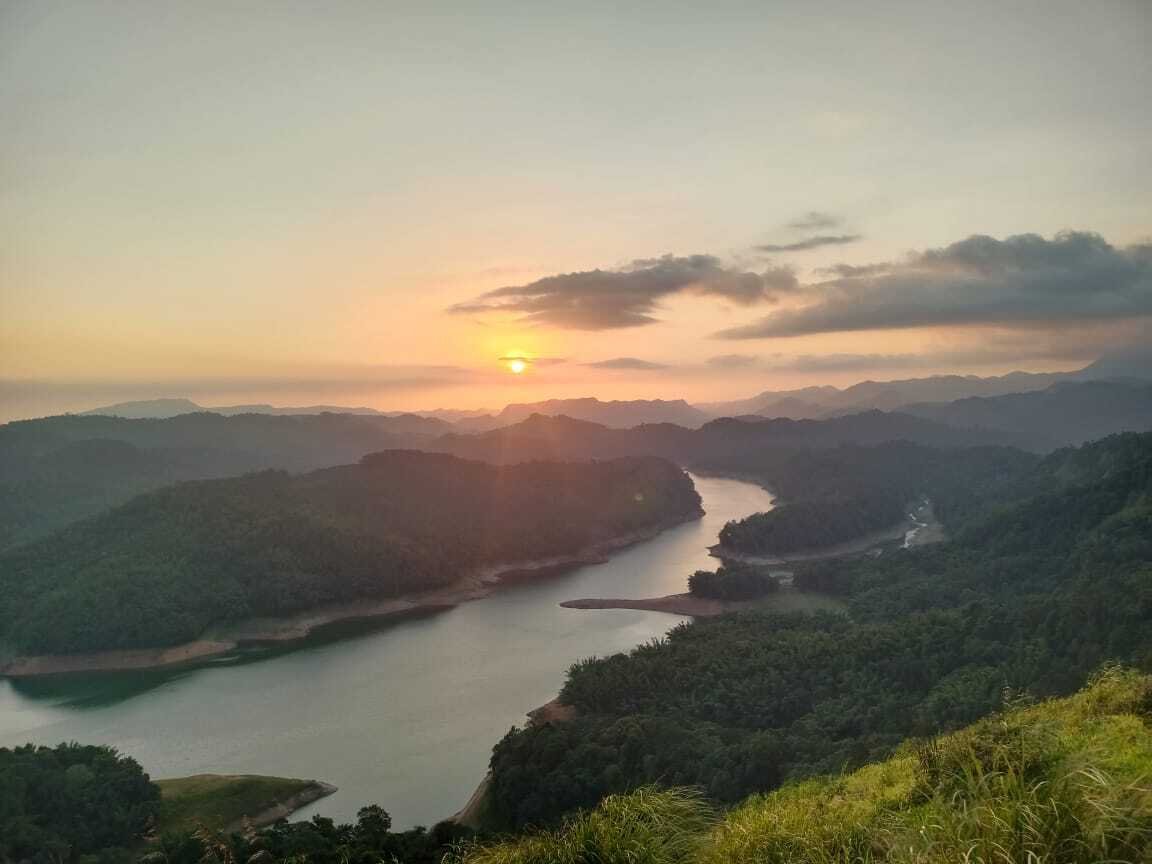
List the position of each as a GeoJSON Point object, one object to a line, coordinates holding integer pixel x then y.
{"type": "Point", "coordinates": [810, 243]}
{"type": "Point", "coordinates": [733, 361]}
{"type": "Point", "coordinates": [627, 363]}
{"type": "Point", "coordinates": [815, 220]}
{"type": "Point", "coordinates": [627, 297]}
{"type": "Point", "coordinates": [1024, 280]}
{"type": "Point", "coordinates": [851, 270]}
{"type": "Point", "coordinates": [534, 361]}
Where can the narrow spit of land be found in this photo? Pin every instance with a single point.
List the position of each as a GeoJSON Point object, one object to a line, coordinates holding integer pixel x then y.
{"type": "Point", "coordinates": [917, 529]}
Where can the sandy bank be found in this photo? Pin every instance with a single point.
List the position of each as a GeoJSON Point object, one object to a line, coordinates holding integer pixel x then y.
{"type": "Point", "coordinates": [264, 631]}
{"type": "Point", "coordinates": [785, 600]}
{"type": "Point", "coordinates": [675, 604]}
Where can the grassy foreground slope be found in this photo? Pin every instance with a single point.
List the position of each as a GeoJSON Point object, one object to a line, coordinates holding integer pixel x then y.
{"type": "Point", "coordinates": [1066, 780]}
{"type": "Point", "coordinates": [162, 568]}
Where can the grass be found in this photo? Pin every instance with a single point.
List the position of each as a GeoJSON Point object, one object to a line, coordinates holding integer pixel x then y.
{"type": "Point", "coordinates": [217, 801]}
{"type": "Point", "coordinates": [648, 826]}
{"type": "Point", "coordinates": [1066, 781]}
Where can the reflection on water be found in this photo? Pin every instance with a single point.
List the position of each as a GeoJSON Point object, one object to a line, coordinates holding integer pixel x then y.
{"type": "Point", "coordinates": [403, 715]}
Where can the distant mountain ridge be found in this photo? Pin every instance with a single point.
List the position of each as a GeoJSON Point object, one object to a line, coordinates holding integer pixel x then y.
{"type": "Point", "coordinates": [159, 409]}
{"type": "Point", "coordinates": [1067, 413]}
{"type": "Point", "coordinates": [566, 438]}
{"type": "Point", "coordinates": [817, 403]}
{"type": "Point", "coordinates": [616, 414]}
{"type": "Point", "coordinates": [59, 469]}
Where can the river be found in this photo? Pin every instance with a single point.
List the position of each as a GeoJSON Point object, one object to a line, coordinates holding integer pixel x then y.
{"type": "Point", "coordinates": [403, 715]}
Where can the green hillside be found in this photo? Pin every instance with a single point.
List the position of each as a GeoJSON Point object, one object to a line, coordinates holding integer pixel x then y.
{"type": "Point", "coordinates": [165, 566]}
{"type": "Point", "coordinates": [1041, 585]}
{"type": "Point", "coordinates": [1067, 780]}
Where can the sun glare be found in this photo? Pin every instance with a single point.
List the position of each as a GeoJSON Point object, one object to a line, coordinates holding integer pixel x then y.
{"type": "Point", "coordinates": [517, 366]}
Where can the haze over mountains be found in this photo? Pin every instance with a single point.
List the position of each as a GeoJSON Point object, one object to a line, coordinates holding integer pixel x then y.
{"type": "Point", "coordinates": [808, 403]}
{"type": "Point", "coordinates": [57, 470]}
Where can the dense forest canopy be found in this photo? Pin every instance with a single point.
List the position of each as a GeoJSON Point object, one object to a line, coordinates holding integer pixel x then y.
{"type": "Point", "coordinates": [1040, 585]}
{"type": "Point", "coordinates": [62, 804]}
{"type": "Point", "coordinates": [732, 582]}
{"type": "Point", "coordinates": [163, 567]}
{"type": "Point", "coordinates": [830, 496]}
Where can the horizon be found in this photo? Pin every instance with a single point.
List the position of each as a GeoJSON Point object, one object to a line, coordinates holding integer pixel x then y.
{"type": "Point", "coordinates": [496, 409]}
{"type": "Point", "coordinates": [356, 208]}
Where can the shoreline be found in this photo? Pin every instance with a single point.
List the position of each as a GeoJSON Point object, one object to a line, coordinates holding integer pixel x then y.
{"type": "Point", "coordinates": [787, 599]}
{"type": "Point", "coordinates": [673, 604]}
{"type": "Point", "coordinates": [911, 530]}
{"type": "Point", "coordinates": [257, 632]}
{"type": "Point", "coordinates": [284, 809]}
{"type": "Point", "coordinates": [471, 815]}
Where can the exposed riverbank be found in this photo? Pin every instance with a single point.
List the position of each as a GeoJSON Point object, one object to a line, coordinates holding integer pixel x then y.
{"type": "Point", "coordinates": [404, 714]}
{"type": "Point", "coordinates": [786, 600]}
{"type": "Point", "coordinates": [271, 631]}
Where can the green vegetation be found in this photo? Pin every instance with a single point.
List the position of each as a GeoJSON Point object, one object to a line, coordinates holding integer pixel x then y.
{"type": "Point", "coordinates": [57, 470]}
{"type": "Point", "coordinates": [1061, 781]}
{"type": "Point", "coordinates": [732, 582]}
{"type": "Point", "coordinates": [72, 803]}
{"type": "Point", "coordinates": [1038, 588]}
{"type": "Point", "coordinates": [828, 497]}
{"type": "Point", "coordinates": [370, 840]}
{"type": "Point", "coordinates": [162, 568]}
{"type": "Point", "coordinates": [648, 826]}
{"type": "Point", "coordinates": [219, 801]}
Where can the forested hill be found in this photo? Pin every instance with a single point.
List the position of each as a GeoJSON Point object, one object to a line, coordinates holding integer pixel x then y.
{"type": "Point", "coordinates": [541, 437]}
{"type": "Point", "coordinates": [59, 469]}
{"type": "Point", "coordinates": [160, 569]}
{"type": "Point", "coordinates": [827, 497]}
{"type": "Point", "coordinates": [1066, 413]}
{"type": "Point", "coordinates": [1045, 580]}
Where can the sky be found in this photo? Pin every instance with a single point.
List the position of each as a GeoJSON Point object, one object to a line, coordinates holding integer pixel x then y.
{"type": "Point", "coordinates": [385, 203]}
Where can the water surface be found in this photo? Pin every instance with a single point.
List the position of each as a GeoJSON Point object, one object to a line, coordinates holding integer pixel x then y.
{"type": "Point", "coordinates": [403, 715]}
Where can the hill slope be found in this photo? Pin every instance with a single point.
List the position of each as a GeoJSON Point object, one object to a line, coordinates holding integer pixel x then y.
{"type": "Point", "coordinates": [163, 567]}
{"type": "Point", "coordinates": [1064, 780]}
{"type": "Point", "coordinates": [56, 470]}
{"type": "Point", "coordinates": [1065, 414]}
{"type": "Point", "coordinates": [1040, 585]}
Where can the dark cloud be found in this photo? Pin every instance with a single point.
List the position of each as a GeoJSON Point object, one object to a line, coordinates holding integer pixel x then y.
{"type": "Point", "coordinates": [627, 363]}
{"type": "Point", "coordinates": [609, 299]}
{"type": "Point", "coordinates": [810, 243]}
{"type": "Point", "coordinates": [815, 220]}
{"type": "Point", "coordinates": [733, 361]}
{"type": "Point", "coordinates": [1025, 280]}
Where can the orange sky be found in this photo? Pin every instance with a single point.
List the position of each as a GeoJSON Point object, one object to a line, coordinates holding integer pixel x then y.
{"type": "Point", "coordinates": [272, 203]}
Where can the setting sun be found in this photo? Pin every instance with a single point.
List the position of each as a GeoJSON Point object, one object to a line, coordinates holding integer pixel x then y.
{"type": "Point", "coordinates": [517, 366]}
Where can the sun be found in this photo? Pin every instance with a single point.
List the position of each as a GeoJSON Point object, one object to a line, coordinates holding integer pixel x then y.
{"type": "Point", "coordinates": [517, 366]}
